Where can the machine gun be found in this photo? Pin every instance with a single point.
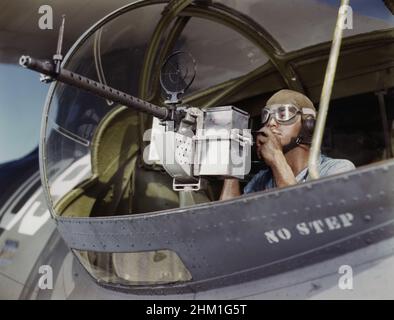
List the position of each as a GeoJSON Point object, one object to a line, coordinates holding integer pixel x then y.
{"type": "Point", "coordinates": [188, 142]}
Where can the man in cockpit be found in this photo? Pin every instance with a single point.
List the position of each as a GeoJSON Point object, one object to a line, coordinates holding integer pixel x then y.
{"type": "Point", "coordinates": [283, 143]}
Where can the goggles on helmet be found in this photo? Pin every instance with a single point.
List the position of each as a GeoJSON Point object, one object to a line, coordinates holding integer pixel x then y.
{"type": "Point", "coordinates": [283, 113]}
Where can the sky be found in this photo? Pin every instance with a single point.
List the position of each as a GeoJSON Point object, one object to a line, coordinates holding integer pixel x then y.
{"type": "Point", "coordinates": [22, 98]}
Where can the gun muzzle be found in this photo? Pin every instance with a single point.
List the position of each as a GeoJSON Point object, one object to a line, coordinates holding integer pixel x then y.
{"type": "Point", "coordinates": [42, 66]}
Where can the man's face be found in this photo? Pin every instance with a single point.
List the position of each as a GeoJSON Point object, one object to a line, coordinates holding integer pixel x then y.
{"type": "Point", "coordinates": [284, 131]}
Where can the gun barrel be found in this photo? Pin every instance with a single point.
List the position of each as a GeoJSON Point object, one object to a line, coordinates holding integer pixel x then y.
{"type": "Point", "coordinates": [104, 91]}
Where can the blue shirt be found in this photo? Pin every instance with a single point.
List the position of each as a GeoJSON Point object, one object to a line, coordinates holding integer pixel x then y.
{"type": "Point", "coordinates": [264, 180]}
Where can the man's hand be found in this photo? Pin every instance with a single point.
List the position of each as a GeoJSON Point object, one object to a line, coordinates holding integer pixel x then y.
{"type": "Point", "coordinates": [268, 146]}
{"type": "Point", "coordinates": [270, 150]}
{"type": "Point", "coordinates": [231, 189]}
